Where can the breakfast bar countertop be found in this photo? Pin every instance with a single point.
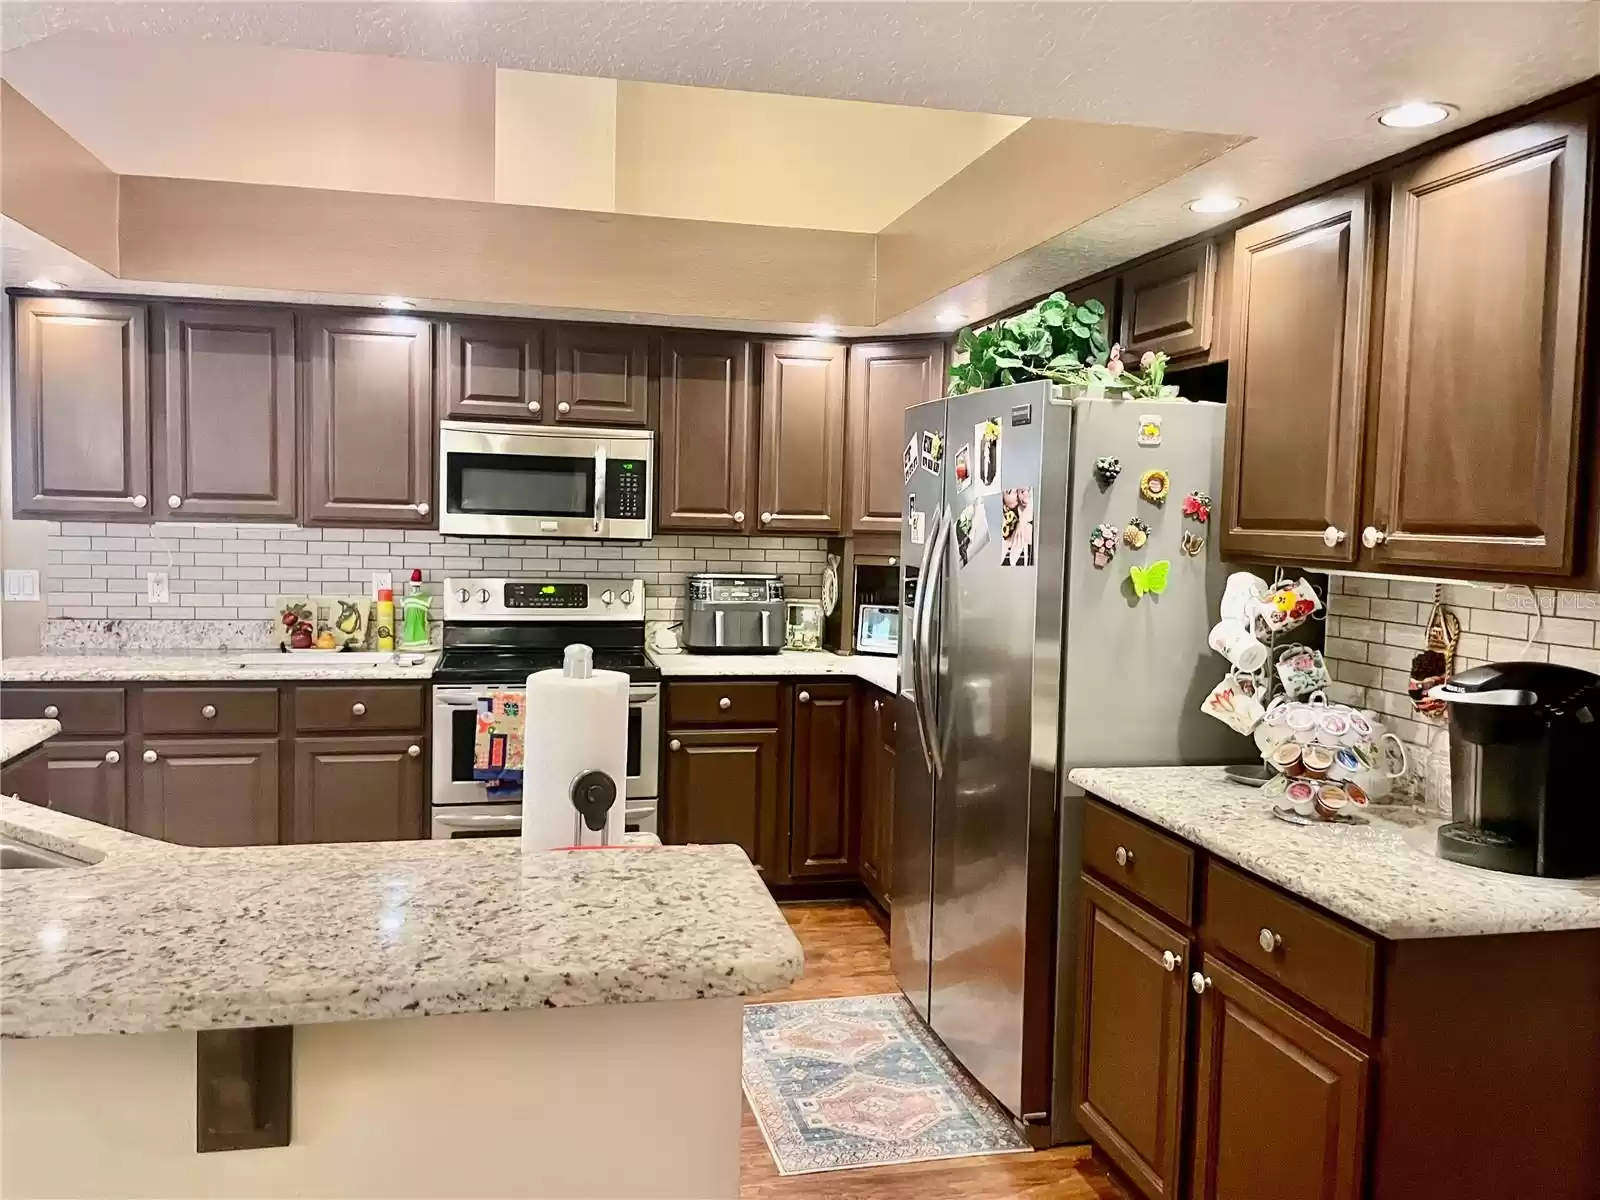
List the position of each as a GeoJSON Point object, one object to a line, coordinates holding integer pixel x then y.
{"type": "Point", "coordinates": [876, 669]}
{"type": "Point", "coordinates": [147, 936]}
{"type": "Point", "coordinates": [19, 735]}
{"type": "Point", "coordinates": [1382, 876]}
{"type": "Point", "coordinates": [216, 666]}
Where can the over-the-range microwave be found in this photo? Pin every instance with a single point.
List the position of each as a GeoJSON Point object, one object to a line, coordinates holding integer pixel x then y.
{"type": "Point", "coordinates": [523, 481]}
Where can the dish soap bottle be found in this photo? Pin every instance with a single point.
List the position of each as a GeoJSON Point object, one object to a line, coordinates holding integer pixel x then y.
{"type": "Point", "coordinates": [385, 619]}
{"type": "Point", "coordinates": [414, 614]}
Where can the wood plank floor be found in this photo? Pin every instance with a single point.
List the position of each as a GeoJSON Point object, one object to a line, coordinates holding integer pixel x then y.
{"type": "Point", "coordinates": [847, 955]}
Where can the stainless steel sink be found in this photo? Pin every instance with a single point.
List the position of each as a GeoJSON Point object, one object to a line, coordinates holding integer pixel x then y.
{"type": "Point", "coordinates": [14, 856]}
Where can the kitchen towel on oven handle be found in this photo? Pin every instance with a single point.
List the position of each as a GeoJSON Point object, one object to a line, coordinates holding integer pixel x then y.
{"type": "Point", "coordinates": [497, 743]}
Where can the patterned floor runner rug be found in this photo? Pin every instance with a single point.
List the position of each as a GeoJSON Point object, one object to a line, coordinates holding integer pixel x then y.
{"type": "Point", "coordinates": [860, 1082]}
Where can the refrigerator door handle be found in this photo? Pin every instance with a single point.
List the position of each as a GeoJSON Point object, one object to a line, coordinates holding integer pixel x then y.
{"type": "Point", "coordinates": [926, 682]}
{"type": "Point", "coordinates": [915, 633]}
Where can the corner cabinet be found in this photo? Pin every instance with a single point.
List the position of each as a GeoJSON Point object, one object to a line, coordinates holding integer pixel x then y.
{"type": "Point", "coordinates": [801, 471]}
{"type": "Point", "coordinates": [1168, 305]}
{"type": "Point", "coordinates": [884, 379]}
{"type": "Point", "coordinates": [707, 435]}
{"type": "Point", "coordinates": [879, 733]}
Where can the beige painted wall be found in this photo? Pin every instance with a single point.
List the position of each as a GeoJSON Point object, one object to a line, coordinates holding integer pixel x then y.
{"type": "Point", "coordinates": [263, 114]}
{"type": "Point", "coordinates": [555, 140]}
{"type": "Point", "coordinates": [53, 185]}
{"type": "Point", "coordinates": [786, 160]}
{"type": "Point", "coordinates": [22, 543]}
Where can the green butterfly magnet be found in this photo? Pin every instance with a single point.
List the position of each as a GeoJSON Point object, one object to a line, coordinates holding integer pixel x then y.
{"type": "Point", "coordinates": [1150, 580]}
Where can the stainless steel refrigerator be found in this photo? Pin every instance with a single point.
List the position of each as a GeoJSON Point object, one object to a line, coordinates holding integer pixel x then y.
{"type": "Point", "coordinates": [1020, 660]}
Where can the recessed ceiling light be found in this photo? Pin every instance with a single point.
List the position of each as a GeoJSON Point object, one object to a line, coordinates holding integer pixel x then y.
{"type": "Point", "coordinates": [949, 318]}
{"type": "Point", "coordinates": [825, 328]}
{"type": "Point", "coordinates": [1207, 205]}
{"type": "Point", "coordinates": [1414, 114]}
{"type": "Point", "coordinates": [397, 302]}
{"type": "Point", "coordinates": [44, 285]}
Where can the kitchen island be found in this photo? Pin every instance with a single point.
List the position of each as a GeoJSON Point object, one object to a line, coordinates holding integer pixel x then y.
{"type": "Point", "coordinates": [466, 1021]}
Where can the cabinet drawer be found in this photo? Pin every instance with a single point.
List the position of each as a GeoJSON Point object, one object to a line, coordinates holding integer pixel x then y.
{"type": "Point", "coordinates": [209, 710]}
{"type": "Point", "coordinates": [723, 703]}
{"type": "Point", "coordinates": [353, 709]}
{"type": "Point", "coordinates": [1156, 868]}
{"type": "Point", "coordinates": [1333, 967]}
{"type": "Point", "coordinates": [86, 712]}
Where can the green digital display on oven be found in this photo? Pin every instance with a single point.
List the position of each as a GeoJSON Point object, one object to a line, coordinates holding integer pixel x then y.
{"type": "Point", "coordinates": [547, 590]}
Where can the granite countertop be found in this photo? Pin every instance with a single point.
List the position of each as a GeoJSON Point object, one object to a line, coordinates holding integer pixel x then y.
{"type": "Point", "coordinates": [875, 669]}
{"type": "Point", "coordinates": [158, 937]}
{"type": "Point", "coordinates": [17, 737]}
{"type": "Point", "coordinates": [1383, 876]}
{"type": "Point", "coordinates": [213, 666]}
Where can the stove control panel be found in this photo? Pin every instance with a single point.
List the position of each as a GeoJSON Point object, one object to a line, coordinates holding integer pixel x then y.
{"type": "Point", "coordinates": [543, 600]}
{"type": "Point", "coordinates": [535, 594]}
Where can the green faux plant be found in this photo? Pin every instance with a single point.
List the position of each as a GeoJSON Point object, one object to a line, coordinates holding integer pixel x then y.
{"type": "Point", "coordinates": [1055, 339]}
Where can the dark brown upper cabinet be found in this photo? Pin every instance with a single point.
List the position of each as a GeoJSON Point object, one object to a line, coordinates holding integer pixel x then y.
{"type": "Point", "coordinates": [707, 426]}
{"type": "Point", "coordinates": [602, 374]}
{"type": "Point", "coordinates": [224, 410]}
{"type": "Point", "coordinates": [493, 371]}
{"type": "Point", "coordinates": [369, 420]}
{"type": "Point", "coordinates": [801, 474]}
{"type": "Point", "coordinates": [81, 415]}
{"type": "Point", "coordinates": [1479, 406]}
{"type": "Point", "coordinates": [1297, 382]}
{"type": "Point", "coordinates": [1168, 303]}
{"type": "Point", "coordinates": [885, 378]}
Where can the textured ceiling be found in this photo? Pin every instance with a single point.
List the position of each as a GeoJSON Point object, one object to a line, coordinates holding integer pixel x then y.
{"type": "Point", "coordinates": [1301, 79]}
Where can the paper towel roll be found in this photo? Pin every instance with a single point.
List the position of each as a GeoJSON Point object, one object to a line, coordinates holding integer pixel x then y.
{"type": "Point", "coordinates": [574, 724]}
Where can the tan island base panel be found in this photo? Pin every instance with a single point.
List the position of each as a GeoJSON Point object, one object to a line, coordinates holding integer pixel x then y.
{"type": "Point", "coordinates": [518, 1104]}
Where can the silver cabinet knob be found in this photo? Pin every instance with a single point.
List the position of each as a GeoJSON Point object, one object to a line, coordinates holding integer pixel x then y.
{"type": "Point", "coordinates": [739, 516]}
{"type": "Point", "coordinates": [1373, 537]}
{"type": "Point", "coordinates": [724, 704]}
{"type": "Point", "coordinates": [422, 509]}
{"type": "Point", "coordinates": [51, 711]}
{"type": "Point", "coordinates": [1332, 536]}
{"type": "Point", "coordinates": [674, 744]}
{"type": "Point", "coordinates": [113, 757]}
{"type": "Point", "coordinates": [1199, 983]}
{"type": "Point", "coordinates": [208, 711]}
{"type": "Point", "coordinates": [766, 518]}
{"type": "Point", "coordinates": [563, 408]}
{"type": "Point", "coordinates": [606, 597]}
{"type": "Point", "coordinates": [1124, 856]}
{"type": "Point", "coordinates": [534, 406]}
{"type": "Point", "coordinates": [893, 561]}
{"type": "Point", "coordinates": [804, 697]}
{"type": "Point", "coordinates": [462, 594]}
{"type": "Point", "coordinates": [1169, 961]}
{"type": "Point", "coordinates": [877, 706]}
{"type": "Point", "coordinates": [174, 501]}
{"type": "Point", "coordinates": [483, 595]}
{"type": "Point", "coordinates": [140, 501]}
{"type": "Point", "coordinates": [627, 596]}
{"type": "Point", "coordinates": [413, 750]}
{"type": "Point", "coordinates": [358, 709]}
{"type": "Point", "coordinates": [150, 756]}
{"type": "Point", "coordinates": [1269, 941]}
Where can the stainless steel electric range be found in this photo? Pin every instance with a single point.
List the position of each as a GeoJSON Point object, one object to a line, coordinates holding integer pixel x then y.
{"type": "Point", "coordinates": [497, 632]}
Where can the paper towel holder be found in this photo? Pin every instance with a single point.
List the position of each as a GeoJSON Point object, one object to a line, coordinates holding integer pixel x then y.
{"type": "Point", "coordinates": [594, 794]}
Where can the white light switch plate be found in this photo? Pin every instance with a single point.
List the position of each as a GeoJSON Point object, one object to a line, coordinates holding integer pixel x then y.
{"type": "Point", "coordinates": [156, 588]}
{"type": "Point", "coordinates": [22, 585]}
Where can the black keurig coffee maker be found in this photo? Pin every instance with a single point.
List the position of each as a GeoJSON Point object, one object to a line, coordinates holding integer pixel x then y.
{"type": "Point", "coordinates": [1524, 772]}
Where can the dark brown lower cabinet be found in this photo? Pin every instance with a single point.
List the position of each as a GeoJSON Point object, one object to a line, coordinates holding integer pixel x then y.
{"type": "Point", "coordinates": [822, 821]}
{"type": "Point", "coordinates": [209, 791]}
{"type": "Point", "coordinates": [28, 777]}
{"type": "Point", "coordinates": [89, 779]}
{"type": "Point", "coordinates": [359, 789]}
{"type": "Point", "coordinates": [1128, 1075]}
{"type": "Point", "coordinates": [1280, 1102]}
{"type": "Point", "coordinates": [723, 786]}
{"type": "Point", "coordinates": [877, 796]}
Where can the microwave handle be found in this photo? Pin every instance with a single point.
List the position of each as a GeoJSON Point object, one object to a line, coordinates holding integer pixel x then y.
{"type": "Point", "coordinates": [599, 487]}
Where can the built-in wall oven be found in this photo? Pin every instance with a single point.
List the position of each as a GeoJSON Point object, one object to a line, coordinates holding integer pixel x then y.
{"type": "Point", "coordinates": [530, 482]}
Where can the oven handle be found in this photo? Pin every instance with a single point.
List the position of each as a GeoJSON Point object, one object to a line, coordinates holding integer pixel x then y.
{"type": "Point", "coordinates": [599, 487]}
{"type": "Point", "coordinates": [479, 821]}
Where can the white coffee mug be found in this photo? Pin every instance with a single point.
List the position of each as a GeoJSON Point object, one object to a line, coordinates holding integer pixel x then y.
{"type": "Point", "coordinates": [1241, 592]}
{"type": "Point", "coordinates": [1233, 705]}
{"type": "Point", "coordinates": [1238, 645]}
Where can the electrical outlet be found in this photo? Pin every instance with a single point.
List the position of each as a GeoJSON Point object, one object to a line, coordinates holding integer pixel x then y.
{"type": "Point", "coordinates": [156, 588]}
{"type": "Point", "coordinates": [22, 585]}
{"type": "Point", "coordinates": [381, 580]}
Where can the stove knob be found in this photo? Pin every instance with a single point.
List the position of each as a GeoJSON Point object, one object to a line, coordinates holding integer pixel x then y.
{"type": "Point", "coordinates": [483, 595]}
{"type": "Point", "coordinates": [606, 597]}
{"type": "Point", "coordinates": [462, 595]}
{"type": "Point", "coordinates": [627, 597]}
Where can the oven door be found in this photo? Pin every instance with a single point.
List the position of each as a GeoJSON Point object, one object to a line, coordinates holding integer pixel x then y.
{"type": "Point", "coordinates": [477, 820]}
{"type": "Point", "coordinates": [508, 481]}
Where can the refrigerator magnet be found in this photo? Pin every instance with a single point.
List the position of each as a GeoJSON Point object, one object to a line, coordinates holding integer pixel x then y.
{"type": "Point", "coordinates": [1154, 486]}
{"type": "Point", "coordinates": [908, 460]}
{"type": "Point", "coordinates": [1191, 544]}
{"type": "Point", "coordinates": [963, 468]}
{"type": "Point", "coordinates": [1103, 544]}
{"type": "Point", "coordinates": [1150, 580]}
{"type": "Point", "coordinates": [1106, 469]}
{"type": "Point", "coordinates": [917, 523]}
{"type": "Point", "coordinates": [1136, 533]}
{"type": "Point", "coordinates": [932, 451]}
{"type": "Point", "coordinates": [972, 531]}
{"type": "Point", "coordinates": [1197, 507]}
{"type": "Point", "coordinates": [986, 446]}
{"type": "Point", "coordinates": [1016, 527]}
{"type": "Point", "coordinates": [1149, 430]}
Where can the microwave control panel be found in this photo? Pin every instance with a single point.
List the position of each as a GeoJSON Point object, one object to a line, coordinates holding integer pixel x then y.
{"type": "Point", "coordinates": [547, 595]}
{"type": "Point", "coordinates": [625, 489]}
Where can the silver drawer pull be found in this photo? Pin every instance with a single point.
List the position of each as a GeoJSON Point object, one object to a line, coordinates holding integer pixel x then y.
{"type": "Point", "coordinates": [413, 750]}
{"type": "Point", "coordinates": [150, 756]}
{"type": "Point", "coordinates": [1199, 983]}
{"type": "Point", "coordinates": [113, 757]}
{"type": "Point", "coordinates": [1269, 941]}
{"type": "Point", "coordinates": [358, 709]}
{"type": "Point", "coordinates": [1124, 857]}
{"type": "Point", "coordinates": [51, 711]}
{"type": "Point", "coordinates": [209, 711]}
{"type": "Point", "coordinates": [1170, 961]}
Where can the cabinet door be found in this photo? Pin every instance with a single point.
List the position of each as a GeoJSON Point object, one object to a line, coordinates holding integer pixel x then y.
{"type": "Point", "coordinates": [1297, 394]}
{"type": "Point", "coordinates": [1128, 1057]}
{"type": "Point", "coordinates": [209, 791]}
{"type": "Point", "coordinates": [723, 786]}
{"type": "Point", "coordinates": [82, 409]}
{"type": "Point", "coordinates": [707, 428]}
{"type": "Point", "coordinates": [89, 779]}
{"type": "Point", "coordinates": [877, 796]}
{"type": "Point", "coordinates": [1479, 405]}
{"type": "Point", "coordinates": [884, 379]}
{"type": "Point", "coordinates": [492, 371]}
{"type": "Point", "coordinates": [225, 413]}
{"type": "Point", "coordinates": [359, 789]}
{"type": "Point", "coordinates": [369, 432]}
{"type": "Point", "coordinates": [801, 475]}
{"type": "Point", "coordinates": [602, 374]}
{"type": "Point", "coordinates": [1280, 1103]}
{"type": "Point", "coordinates": [1167, 303]}
{"type": "Point", "coordinates": [822, 813]}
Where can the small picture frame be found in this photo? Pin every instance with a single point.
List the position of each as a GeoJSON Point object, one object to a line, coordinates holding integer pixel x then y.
{"type": "Point", "coordinates": [802, 625]}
